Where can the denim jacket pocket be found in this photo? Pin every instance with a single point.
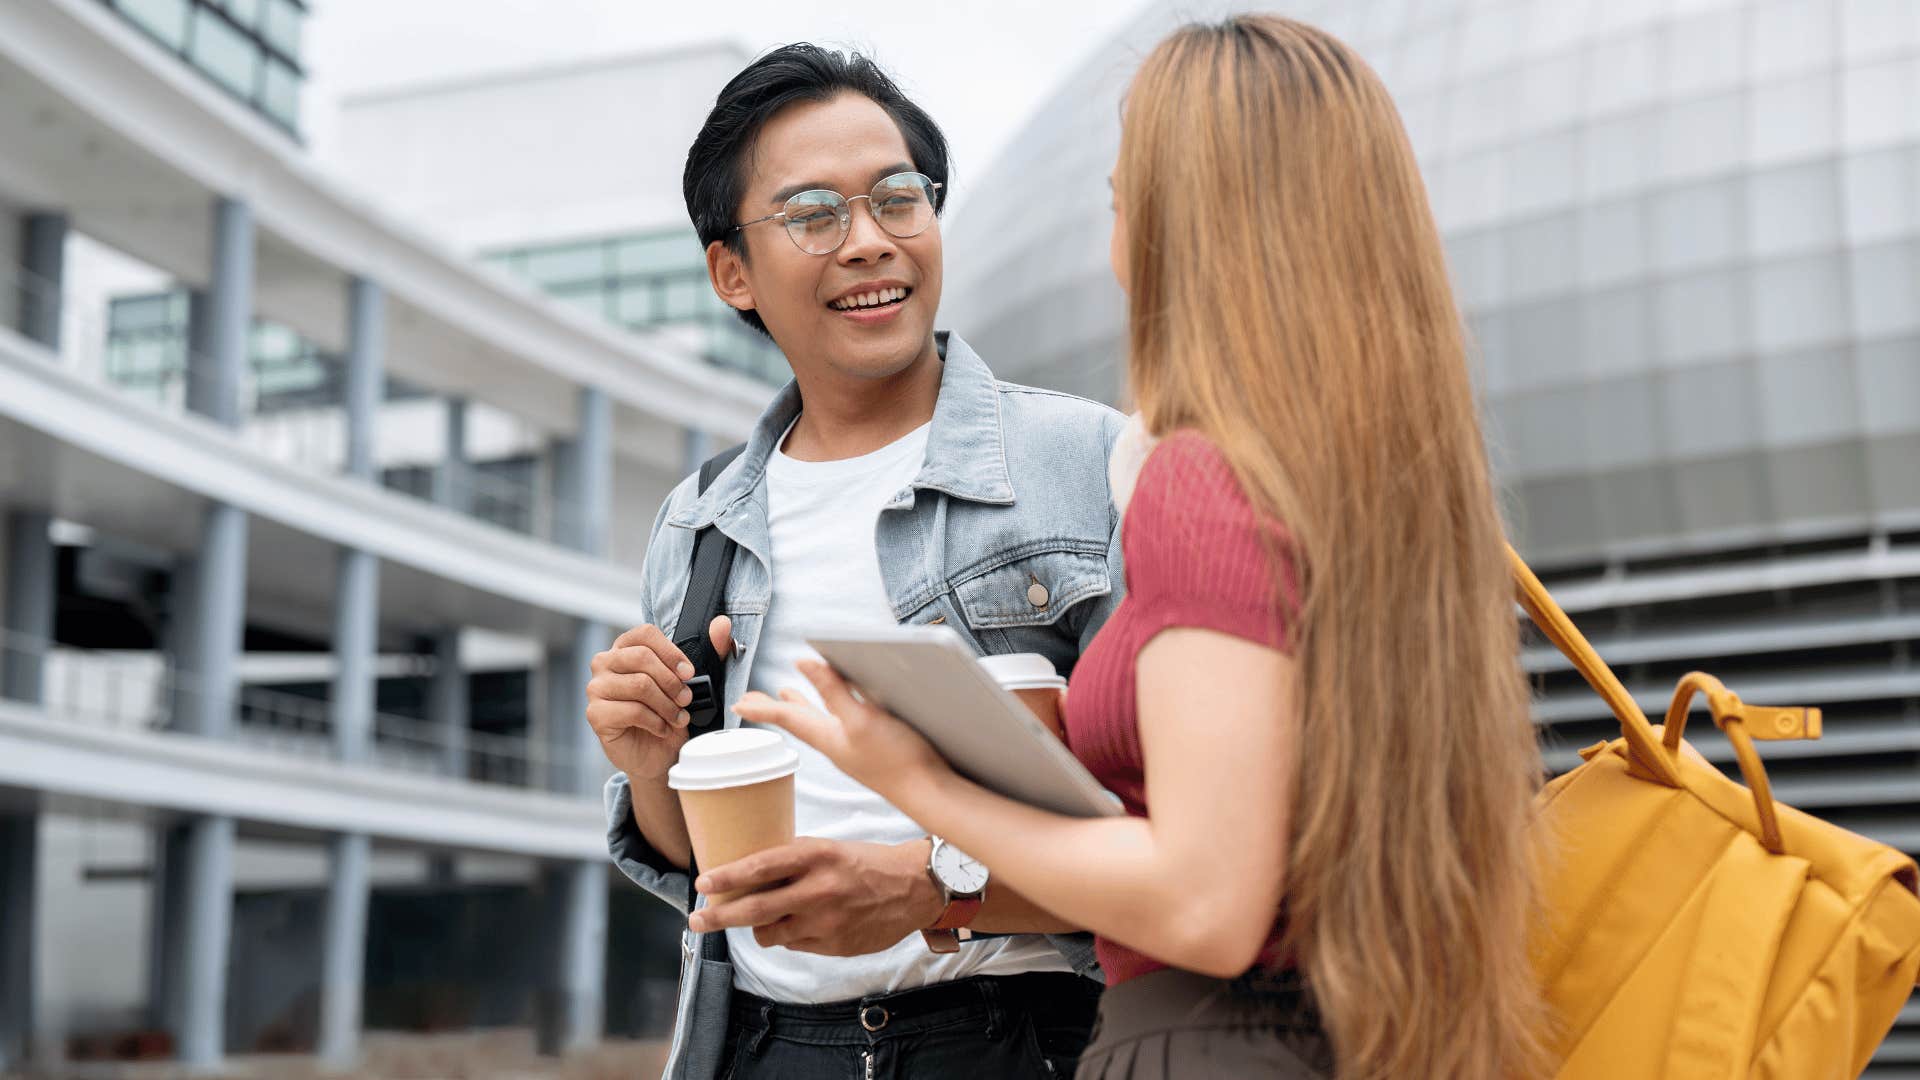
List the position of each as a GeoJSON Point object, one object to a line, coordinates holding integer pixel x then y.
{"type": "Point", "coordinates": [1036, 588]}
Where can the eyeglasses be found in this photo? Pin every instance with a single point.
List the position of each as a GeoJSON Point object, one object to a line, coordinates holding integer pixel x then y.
{"type": "Point", "coordinates": [818, 221]}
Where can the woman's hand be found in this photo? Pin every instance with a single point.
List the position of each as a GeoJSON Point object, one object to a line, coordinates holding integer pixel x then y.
{"type": "Point", "coordinates": [869, 744]}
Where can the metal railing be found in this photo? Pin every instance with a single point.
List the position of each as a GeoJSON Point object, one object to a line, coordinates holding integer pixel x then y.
{"type": "Point", "coordinates": [145, 691]}
{"type": "Point", "coordinates": [311, 435]}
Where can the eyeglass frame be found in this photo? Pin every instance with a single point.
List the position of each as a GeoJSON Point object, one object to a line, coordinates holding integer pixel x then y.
{"type": "Point", "coordinates": [933, 188]}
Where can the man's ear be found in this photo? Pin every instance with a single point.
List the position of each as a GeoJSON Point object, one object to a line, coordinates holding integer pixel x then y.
{"type": "Point", "coordinates": [728, 272]}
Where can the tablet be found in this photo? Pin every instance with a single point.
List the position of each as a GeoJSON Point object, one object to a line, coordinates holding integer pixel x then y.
{"type": "Point", "coordinates": [928, 677]}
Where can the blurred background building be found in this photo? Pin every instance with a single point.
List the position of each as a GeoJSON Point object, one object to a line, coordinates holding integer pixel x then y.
{"type": "Point", "coordinates": [1686, 235]}
{"type": "Point", "coordinates": [317, 504]}
{"type": "Point", "coordinates": [322, 479]}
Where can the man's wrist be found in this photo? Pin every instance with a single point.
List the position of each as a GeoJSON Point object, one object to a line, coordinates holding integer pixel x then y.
{"type": "Point", "coordinates": [644, 782]}
{"type": "Point", "coordinates": [926, 900]}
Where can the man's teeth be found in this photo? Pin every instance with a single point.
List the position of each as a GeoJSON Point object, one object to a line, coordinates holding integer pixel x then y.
{"type": "Point", "coordinates": [881, 296]}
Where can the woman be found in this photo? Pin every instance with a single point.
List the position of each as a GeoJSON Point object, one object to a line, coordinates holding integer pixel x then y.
{"type": "Point", "coordinates": [1309, 701]}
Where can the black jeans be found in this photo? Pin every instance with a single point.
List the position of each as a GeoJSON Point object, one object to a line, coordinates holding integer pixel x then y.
{"type": "Point", "coordinates": [1031, 1025]}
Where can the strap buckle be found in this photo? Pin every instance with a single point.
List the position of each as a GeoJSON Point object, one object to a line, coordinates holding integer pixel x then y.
{"type": "Point", "coordinates": [703, 712]}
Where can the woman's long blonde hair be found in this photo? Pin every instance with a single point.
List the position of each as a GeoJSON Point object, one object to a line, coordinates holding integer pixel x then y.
{"type": "Point", "coordinates": [1289, 299]}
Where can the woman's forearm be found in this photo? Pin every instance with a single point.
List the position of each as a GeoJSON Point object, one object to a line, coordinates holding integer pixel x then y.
{"type": "Point", "coordinates": [1109, 875]}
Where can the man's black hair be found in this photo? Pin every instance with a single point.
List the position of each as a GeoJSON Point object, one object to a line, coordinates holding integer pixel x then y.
{"type": "Point", "coordinates": [716, 175]}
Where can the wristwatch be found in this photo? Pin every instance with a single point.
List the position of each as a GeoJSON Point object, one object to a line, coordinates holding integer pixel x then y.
{"type": "Point", "coordinates": [962, 881]}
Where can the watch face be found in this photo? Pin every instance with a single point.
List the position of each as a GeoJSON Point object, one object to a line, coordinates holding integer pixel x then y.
{"type": "Point", "coordinates": [962, 874]}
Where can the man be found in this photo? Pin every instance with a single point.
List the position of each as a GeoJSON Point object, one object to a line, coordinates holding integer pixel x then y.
{"type": "Point", "coordinates": [894, 482]}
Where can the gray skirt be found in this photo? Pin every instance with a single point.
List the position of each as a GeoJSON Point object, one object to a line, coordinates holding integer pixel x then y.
{"type": "Point", "coordinates": [1175, 1025]}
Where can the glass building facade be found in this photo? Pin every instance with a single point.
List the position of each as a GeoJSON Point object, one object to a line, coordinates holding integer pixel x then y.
{"type": "Point", "coordinates": [146, 353]}
{"type": "Point", "coordinates": [147, 344]}
{"type": "Point", "coordinates": [648, 281]}
{"type": "Point", "coordinates": [1685, 237]}
{"type": "Point", "coordinates": [249, 48]}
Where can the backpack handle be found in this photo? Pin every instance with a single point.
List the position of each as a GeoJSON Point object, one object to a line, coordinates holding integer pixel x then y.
{"type": "Point", "coordinates": [1742, 723]}
{"type": "Point", "coordinates": [1566, 637]}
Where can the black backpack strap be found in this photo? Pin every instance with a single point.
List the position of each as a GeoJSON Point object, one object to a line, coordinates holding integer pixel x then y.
{"type": "Point", "coordinates": [713, 553]}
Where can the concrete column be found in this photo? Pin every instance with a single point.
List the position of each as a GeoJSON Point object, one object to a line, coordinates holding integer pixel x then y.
{"type": "Point", "coordinates": [213, 390]}
{"type": "Point", "coordinates": [698, 447]}
{"type": "Point", "coordinates": [29, 606]}
{"type": "Point", "coordinates": [356, 624]}
{"type": "Point", "coordinates": [29, 609]}
{"type": "Point", "coordinates": [206, 925]}
{"type": "Point", "coordinates": [448, 707]}
{"type": "Point", "coordinates": [166, 993]}
{"type": "Point", "coordinates": [584, 475]}
{"type": "Point", "coordinates": [343, 940]}
{"type": "Point", "coordinates": [576, 765]}
{"type": "Point", "coordinates": [344, 949]}
{"type": "Point", "coordinates": [199, 342]}
{"type": "Point", "coordinates": [19, 917]}
{"type": "Point", "coordinates": [213, 625]}
{"type": "Point", "coordinates": [452, 487]}
{"type": "Point", "coordinates": [593, 471]}
{"type": "Point", "coordinates": [563, 523]}
{"type": "Point", "coordinates": [566, 705]}
{"type": "Point", "coordinates": [577, 893]}
{"type": "Point", "coordinates": [42, 289]}
{"type": "Point", "coordinates": [366, 374]}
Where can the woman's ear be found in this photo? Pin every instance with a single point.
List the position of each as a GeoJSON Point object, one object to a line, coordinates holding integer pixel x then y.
{"type": "Point", "coordinates": [728, 272]}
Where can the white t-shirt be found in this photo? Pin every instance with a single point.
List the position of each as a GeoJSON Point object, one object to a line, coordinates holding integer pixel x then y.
{"type": "Point", "coordinates": [821, 518]}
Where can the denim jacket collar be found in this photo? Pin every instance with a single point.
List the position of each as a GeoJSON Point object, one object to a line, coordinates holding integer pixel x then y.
{"type": "Point", "coordinates": [966, 457]}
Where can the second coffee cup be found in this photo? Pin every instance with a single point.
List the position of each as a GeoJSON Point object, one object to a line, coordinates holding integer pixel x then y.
{"type": "Point", "coordinates": [1033, 680]}
{"type": "Point", "coordinates": [736, 790]}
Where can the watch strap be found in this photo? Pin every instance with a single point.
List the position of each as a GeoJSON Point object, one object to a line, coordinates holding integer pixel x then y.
{"type": "Point", "coordinates": [946, 941]}
{"type": "Point", "coordinates": [960, 912]}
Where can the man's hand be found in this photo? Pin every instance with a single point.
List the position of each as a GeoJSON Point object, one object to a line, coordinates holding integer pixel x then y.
{"type": "Point", "coordinates": [829, 897]}
{"type": "Point", "coordinates": [637, 698]}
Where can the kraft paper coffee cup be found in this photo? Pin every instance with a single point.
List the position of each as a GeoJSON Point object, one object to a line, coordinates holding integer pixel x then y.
{"type": "Point", "coordinates": [736, 790]}
{"type": "Point", "coordinates": [1034, 681]}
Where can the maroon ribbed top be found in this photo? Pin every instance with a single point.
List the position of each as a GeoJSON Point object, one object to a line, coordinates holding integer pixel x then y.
{"type": "Point", "coordinates": [1194, 558]}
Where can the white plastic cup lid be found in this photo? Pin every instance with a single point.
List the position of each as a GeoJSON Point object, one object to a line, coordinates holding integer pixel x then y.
{"type": "Point", "coordinates": [734, 758]}
{"type": "Point", "coordinates": [1023, 671]}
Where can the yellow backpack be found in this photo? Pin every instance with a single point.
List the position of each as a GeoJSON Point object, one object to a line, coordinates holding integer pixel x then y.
{"type": "Point", "coordinates": [1696, 928]}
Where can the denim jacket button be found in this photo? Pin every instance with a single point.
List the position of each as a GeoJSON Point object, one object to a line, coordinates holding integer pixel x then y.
{"type": "Point", "coordinates": [1037, 595]}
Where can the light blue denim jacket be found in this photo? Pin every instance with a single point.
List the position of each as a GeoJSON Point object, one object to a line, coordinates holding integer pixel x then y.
{"type": "Point", "coordinates": [1013, 491]}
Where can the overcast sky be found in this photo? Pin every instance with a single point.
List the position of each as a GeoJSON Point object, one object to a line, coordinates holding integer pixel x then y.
{"type": "Point", "coordinates": [979, 66]}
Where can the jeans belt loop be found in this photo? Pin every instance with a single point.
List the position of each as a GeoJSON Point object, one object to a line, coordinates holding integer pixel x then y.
{"type": "Point", "coordinates": [990, 993]}
{"type": "Point", "coordinates": [765, 1027]}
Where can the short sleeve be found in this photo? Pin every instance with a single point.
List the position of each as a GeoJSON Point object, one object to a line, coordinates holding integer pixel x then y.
{"type": "Point", "coordinates": [1199, 555]}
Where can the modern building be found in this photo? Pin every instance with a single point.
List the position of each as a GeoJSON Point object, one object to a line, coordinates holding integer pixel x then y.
{"type": "Point", "coordinates": [1686, 236]}
{"type": "Point", "coordinates": [568, 177]}
{"type": "Point", "coordinates": [313, 522]}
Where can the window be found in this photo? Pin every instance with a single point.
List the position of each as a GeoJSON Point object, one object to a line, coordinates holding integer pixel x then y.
{"type": "Point", "coordinates": [166, 20]}
{"type": "Point", "coordinates": [1795, 209]}
{"type": "Point", "coordinates": [224, 53]}
{"type": "Point", "coordinates": [250, 48]}
{"type": "Point", "coordinates": [282, 26]}
{"type": "Point", "coordinates": [147, 350]}
{"type": "Point", "coordinates": [1800, 303]}
{"type": "Point", "coordinates": [1702, 317]}
{"type": "Point", "coordinates": [660, 251]}
{"type": "Point", "coordinates": [644, 281]}
{"type": "Point", "coordinates": [567, 265]}
{"type": "Point", "coordinates": [280, 93]}
{"type": "Point", "coordinates": [244, 12]}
